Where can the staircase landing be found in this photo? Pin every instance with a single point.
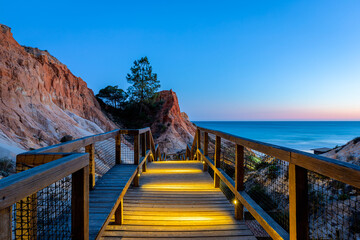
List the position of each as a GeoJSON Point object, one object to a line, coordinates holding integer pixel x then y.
{"type": "Point", "coordinates": [177, 200]}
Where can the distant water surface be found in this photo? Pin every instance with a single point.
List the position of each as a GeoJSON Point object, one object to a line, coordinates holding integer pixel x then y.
{"type": "Point", "coordinates": [300, 135]}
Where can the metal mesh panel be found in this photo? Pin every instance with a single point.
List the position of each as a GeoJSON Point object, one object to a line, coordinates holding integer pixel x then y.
{"type": "Point", "coordinates": [227, 158]}
{"type": "Point", "coordinates": [45, 214]}
{"type": "Point", "coordinates": [334, 208]}
{"type": "Point", "coordinates": [266, 182]}
{"type": "Point", "coordinates": [104, 156]}
{"type": "Point", "coordinates": [211, 146]}
{"type": "Point", "coordinates": [127, 149]}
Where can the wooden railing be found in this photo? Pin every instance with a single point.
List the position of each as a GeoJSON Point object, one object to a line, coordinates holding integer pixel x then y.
{"type": "Point", "coordinates": [299, 163]}
{"type": "Point", "coordinates": [53, 163]}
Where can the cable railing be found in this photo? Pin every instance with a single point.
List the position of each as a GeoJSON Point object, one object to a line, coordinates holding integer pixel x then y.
{"type": "Point", "coordinates": [290, 193]}
{"type": "Point", "coordinates": [48, 198]}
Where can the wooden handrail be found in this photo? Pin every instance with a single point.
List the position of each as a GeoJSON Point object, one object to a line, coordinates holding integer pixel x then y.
{"type": "Point", "coordinates": [20, 185]}
{"type": "Point", "coordinates": [341, 171]}
{"type": "Point", "coordinates": [299, 163]}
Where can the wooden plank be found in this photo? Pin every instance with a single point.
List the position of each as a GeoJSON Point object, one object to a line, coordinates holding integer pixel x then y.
{"type": "Point", "coordinates": [298, 202]}
{"type": "Point", "coordinates": [6, 223]}
{"type": "Point", "coordinates": [217, 160]}
{"type": "Point", "coordinates": [150, 213]}
{"type": "Point", "coordinates": [167, 234]}
{"type": "Point", "coordinates": [90, 149]}
{"type": "Point", "coordinates": [239, 179]}
{"type": "Point", "coordinates": [80, 204]}
{"type": "Point", "coordinates": [118, 148]}
{"type": "Point", "coordinates": [20, 185]}
{"type": "Point", "coordinates": [98, 222]}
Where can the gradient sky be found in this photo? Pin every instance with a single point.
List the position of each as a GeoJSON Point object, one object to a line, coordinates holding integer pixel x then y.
{"type": "Point", "coordinates": [226, 60]}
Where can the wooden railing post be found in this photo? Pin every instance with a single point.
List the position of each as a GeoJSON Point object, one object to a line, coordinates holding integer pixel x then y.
{"type": "Point", "coordinates": [206, 149]}
{"type": "Point", "coordinates": [80, 204]}
{"type": "Point", "coordinates": [5, 223]}
{"type": "Point", "coordinates": [217, 160]}
{"type": "Point", "coordinates": [298, 201]}
{"type": "Point", "coordinates": [198, 143]}
{"type": "Point", "coordinates": [143, 149]}
{"type": "Point", "coordinates": [90, 149]}
{"type": "Point", "coordinates": [119, 213]}
{"type": "Point", "coordinates": [136, 157]}
{"type": "Point", "coordinates": [239, 179]}
{"type": "Point", "coordinates": [148, 144]}
{"type": "Point", "coordinates": [118, 148]}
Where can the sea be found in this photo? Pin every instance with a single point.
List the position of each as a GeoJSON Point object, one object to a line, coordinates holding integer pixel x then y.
{"type": "Point", "coordinates": [300, 135]}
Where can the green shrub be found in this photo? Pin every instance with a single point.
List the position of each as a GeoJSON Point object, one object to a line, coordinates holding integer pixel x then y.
{"type": "Point", "coordinates": [258, 194]}
{"type": "Point", "coordinates": [6, 166]}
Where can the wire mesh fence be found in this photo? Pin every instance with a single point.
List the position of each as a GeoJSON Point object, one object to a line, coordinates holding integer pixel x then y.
{"type": "Point", "coordinates": [334, 208]}
{"type": "Point", "coordinates": [104, 156]}
{"type": "Point", "coordinates": [127, 149]}
{"type": "Point", "coordinates": [266, 182]}
{"type": "Point", "coordinates": [45, 214]}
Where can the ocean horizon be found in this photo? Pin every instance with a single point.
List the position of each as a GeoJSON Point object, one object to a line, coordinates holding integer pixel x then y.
{"type": "Point", "coordinates": [300, 135]}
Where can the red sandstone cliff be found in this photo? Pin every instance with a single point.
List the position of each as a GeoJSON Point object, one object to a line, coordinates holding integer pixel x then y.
{"type": "Point", "coordinates": [41, 100]}
{"type": "Point", "coordinates": [175, 126]}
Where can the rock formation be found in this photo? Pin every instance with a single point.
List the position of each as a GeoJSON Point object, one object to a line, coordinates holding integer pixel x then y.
{"type": "Point", "coordinates": [350, 152]}
{"type": "Point", "coordinates": [174, 129]}
{"type": "Point", "coordinates": [41, 100]}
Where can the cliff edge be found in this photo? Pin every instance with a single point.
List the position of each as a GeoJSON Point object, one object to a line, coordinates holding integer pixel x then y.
{"type": "Point", "coordinates": [41, 100]}
{"type": "Point", "coordinates": [172, 128]}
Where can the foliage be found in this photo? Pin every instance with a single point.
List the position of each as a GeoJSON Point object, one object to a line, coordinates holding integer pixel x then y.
{"type": "Point", "coordinates": [112, 95]}
{"type": "Point", "coordinates": [144, 82]}
{"type": "Point", "coordinates": [272, 171]}
{"type": "Point", "coordinates": [6, 166]}
{"type": "Point", "coordinates": [258, 194]}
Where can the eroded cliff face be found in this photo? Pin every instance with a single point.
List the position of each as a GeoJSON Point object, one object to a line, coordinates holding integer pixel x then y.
{"type": "Point", "coordinates": [173, 126]}
{"type": "Point", "coordinates": [350, 152]}
{"type": "Point", "coordinates": [41, 100]}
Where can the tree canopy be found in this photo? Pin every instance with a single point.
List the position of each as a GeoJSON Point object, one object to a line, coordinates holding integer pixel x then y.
{"type": "Point", "coordinates": [144, 83]}
{"type": "Point", "coordinates": [112, 95]}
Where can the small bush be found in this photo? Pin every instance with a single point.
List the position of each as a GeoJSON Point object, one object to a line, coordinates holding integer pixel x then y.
{"type": "Point", "coordinates": [6, 166]}
{"type": "Point", "coordinates": [343, 196]}
{"type": "Point", "coordinates": [356, 140]}
{"type": "Point", "coordinates": [272, 171]}
{"type": "Point", "coordinates": [259, 195]}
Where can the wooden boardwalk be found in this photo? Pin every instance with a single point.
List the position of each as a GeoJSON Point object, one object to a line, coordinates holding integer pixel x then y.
{"type": "Point", "coordinates": [176, 200]}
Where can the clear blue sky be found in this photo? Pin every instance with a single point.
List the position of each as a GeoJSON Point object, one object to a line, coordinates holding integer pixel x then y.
{"type": "Point", "coordinates": [226, 60]}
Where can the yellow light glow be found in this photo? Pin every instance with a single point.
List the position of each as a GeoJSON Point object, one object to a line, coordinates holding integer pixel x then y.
{"type": "Point", "coordinates": [173, 171]}
{"type": "Point", "coordinates": [235, 201]}
{"type": "Point", "coordinates": [183, 186]}
{"type": "Point", "coordinates": [138, 174]}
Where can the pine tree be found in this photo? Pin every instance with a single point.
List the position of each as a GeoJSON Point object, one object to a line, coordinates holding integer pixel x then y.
{"type": "Point", "coordinates": [144, 83]}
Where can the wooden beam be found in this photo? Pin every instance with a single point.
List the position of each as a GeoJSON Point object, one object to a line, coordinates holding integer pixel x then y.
{"type": "Point", "coordinates": [80, 204]}
{"type": "Point", "coordinates": [90, 149]}
{"type": "Point", "coordinates": [198, 139]}
{"type": "Point", "coordinates": [118, 148]}
{"type": "Point", "coordinates": [6, 223]}
{"type": "Point", "coordinates": [217, 160]}
{"type": "Point", "coordinates": [143, 149]}
{"type": "Point", "coordinates": [206, 150]}
{"type": "Point", "coordinates": [136, 157]}
{"type": "Point", "coordinates": [20, 185]}
{"type": "Point", "coordinates": [298, 203]}
{"type": "Point", "coordinates": [119, 213]}
{"type": "Point", "coordinates": [148, 142]}
{"type": "Point", "coordinates": [239, 179]}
